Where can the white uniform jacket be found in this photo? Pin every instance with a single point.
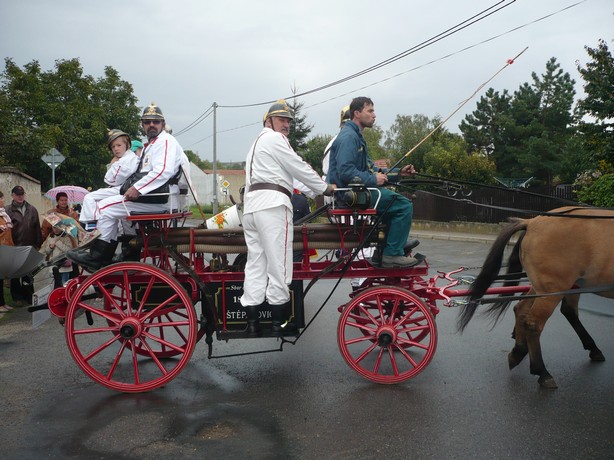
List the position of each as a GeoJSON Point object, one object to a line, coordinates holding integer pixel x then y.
{"type": "Point", "coordinates": [271, 160]}
{"type": "Point", "coordinates": [122, 169]}
{"type": "Point", "coordinates": [162, 158]}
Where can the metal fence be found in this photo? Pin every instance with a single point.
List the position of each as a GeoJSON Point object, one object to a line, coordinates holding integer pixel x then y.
{"type": "Point", "coordinates": [488, 204]}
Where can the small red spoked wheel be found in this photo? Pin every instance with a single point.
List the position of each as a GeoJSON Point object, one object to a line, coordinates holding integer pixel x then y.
{"type": "Point", "coordinates": [374, 310]}
{"type": "Point", "coordinates": [141, 316]}
{"type": "Point", "coordinates": [387, 334]}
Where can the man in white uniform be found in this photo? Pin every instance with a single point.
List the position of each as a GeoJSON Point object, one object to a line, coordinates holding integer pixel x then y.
{"type": "Point", "coordinates": [161, 163]}
{"type": "Point", "coordinates": [270, 168]}
{"type": "Point", "coordinates": [345, 116]}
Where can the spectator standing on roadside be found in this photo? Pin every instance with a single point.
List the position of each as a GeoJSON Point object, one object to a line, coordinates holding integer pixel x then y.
{"type": "Point", "coordinates": [6, 239]}
{"type": "Point", "coordinates": [26, 231]}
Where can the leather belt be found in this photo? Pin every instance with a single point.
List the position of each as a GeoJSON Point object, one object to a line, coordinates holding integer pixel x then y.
{"type": "Point", "coordinates": [265, 186]}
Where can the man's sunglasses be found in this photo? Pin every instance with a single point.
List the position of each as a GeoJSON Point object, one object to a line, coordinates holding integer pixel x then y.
{"type": "Point", "coordinates": [150, 122]}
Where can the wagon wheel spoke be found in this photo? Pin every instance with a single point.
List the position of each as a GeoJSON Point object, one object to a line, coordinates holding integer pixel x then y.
{"type": "Point", "coordinates": [149, 317]}
{"type": "Point", "coordinates": [387, 334]}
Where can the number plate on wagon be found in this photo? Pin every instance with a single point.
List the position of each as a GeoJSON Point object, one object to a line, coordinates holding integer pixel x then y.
{"type": "Point", "coordinates": [233, 316]}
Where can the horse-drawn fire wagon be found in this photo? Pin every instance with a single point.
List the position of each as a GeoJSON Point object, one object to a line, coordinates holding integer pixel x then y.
{"type": "Point", "coordinates": [133, 326]}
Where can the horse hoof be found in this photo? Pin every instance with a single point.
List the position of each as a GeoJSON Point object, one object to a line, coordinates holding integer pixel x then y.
{"type": "Point", "coordinates": [513, 360]}
{"type": "Point", "coordinates": [596, 356]}
{"type": "Point", "coordinates": [547, 383]}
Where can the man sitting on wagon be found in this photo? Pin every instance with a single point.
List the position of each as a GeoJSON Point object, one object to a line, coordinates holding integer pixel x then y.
{"type": "Point", "coordinates": [350, 161]}
{"type": "Point", "coordinates": [163, 163]}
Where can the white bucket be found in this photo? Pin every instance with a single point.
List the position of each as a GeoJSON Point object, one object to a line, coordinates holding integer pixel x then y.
{"type": "Point", "coordinates": [229, 218]}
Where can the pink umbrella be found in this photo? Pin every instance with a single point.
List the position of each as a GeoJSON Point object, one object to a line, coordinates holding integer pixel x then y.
{"type": "Point", "coordinates": [74, 192]}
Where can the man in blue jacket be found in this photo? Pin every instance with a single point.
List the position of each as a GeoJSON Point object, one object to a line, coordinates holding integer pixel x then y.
{"type": "Point", "coordinates": [349, 162]}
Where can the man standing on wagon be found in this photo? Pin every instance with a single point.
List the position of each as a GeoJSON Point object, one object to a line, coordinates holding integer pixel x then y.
{"type": "Point", "coordinates": [349, 162]}
{"type": "Point", "coordinates": [162, 162]}
{"type": "Point", "coordinates": [270, 168]}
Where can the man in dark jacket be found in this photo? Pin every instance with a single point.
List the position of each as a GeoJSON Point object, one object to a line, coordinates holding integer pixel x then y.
{"type": "Point", "coordinates": [350, 163]}
{"type": "Point", "coordinates": [26, 232]}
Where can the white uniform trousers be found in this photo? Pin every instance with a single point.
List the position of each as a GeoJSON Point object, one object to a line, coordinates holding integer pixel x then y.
{"type": "Point", "coordinates": [268, 272]}
{"type": "Point", "coordinates": [112, 211]}
{"type": "Point", "coordinates": [89, 207]}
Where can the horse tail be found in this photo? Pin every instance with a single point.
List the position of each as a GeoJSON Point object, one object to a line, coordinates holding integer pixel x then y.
{"type": "Point", "coordinates": [490, 271]}
{"type": "Point", "coordinates": [512, 278]}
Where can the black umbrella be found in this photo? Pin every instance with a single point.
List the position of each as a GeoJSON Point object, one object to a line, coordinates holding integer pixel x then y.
{"type": "Point", "coordinates": [18, 261]}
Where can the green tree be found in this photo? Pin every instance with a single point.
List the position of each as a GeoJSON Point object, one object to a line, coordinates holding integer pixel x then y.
{"type": "Point", "coordinates": [194, 158]}
{"type": "Point", "coordinates": [598, 106]}
{"type": "Point", "coordinates": [299, 128]}
{"type": "Point", "coordinates": [406, 132]}
{"type": "Point", "coordinates": [373, 138]}
{"type": "Point", "coordinates": [531, 132]}
{"type": "Point", "coordinates": [484, 128]}
{"type": "Point", "coordinates": [449, 158]}
{"type": "Point", "coordinates": [543, 119]}
{"type": "Point", "coordinates": [600, 192]}
{"type": "Point", "coordinates": [66, 110]}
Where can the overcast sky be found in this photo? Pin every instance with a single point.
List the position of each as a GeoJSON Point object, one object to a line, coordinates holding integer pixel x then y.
{"type": "Point", "coordinates": [187, 54]}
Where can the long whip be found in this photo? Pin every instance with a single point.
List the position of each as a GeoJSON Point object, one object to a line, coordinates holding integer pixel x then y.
{"type": "Point", "coordinates": [508, 63]}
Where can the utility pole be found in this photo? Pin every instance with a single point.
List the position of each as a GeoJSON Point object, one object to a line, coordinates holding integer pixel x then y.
{"type": "Point", "coordinates": [215, 204]}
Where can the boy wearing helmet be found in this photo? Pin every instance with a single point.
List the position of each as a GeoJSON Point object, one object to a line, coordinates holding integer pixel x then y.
{"type": "Point", "coordinates": [270, 169]}
{"type": "Point", "coordinates": [122, 166]}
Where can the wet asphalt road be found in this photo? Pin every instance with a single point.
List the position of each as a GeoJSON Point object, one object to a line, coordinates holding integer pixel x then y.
{"type": "Point", "coordinates": [306, 403]}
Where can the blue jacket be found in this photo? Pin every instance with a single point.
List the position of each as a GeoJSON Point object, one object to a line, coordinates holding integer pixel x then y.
{"type": "Point", "coordinates": [349, 159]}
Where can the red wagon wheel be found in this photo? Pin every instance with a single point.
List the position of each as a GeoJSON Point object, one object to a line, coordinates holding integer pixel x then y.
{"type": "Point", "coordinates": [387, 334]}
{"type": "Point", "coordinates": [413, 335]}
{"type": "Point", "coordinates": [141, 316]}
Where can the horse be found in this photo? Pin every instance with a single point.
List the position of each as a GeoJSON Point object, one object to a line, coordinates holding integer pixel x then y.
{"type": "Point", "coordinates": [565, 249]}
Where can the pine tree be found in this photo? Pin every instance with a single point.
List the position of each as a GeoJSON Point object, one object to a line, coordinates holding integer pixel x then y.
{"type": "Point", "coordinates": [598, 76]}
{"type": "Point", "coordinates": [530, 133]}
{"type": "Point", "coordinates": [299, 128]}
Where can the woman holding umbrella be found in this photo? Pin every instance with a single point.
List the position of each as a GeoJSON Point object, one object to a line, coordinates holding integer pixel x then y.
{"type": "Point", "coordinates": [7, 240]}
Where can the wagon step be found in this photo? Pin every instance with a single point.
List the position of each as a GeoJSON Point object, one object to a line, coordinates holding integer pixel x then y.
{"type": "Point", "coordinates": [267, 332]}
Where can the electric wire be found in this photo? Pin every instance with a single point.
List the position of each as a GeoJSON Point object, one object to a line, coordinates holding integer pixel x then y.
{"type": "Point", "coordinates": [434, 39]}
{"type": "Point", "coordinates": [440, 36]}
{"type": "Point", "coordinates": [447, 56]}
{"type": "Point", "coordinates": [198, 120]}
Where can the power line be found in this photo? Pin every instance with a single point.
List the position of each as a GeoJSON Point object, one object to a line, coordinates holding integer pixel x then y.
{"type": "Point", "coordinates": [440, 36]}
{"type": "Point", "coordinates": [462, 50]}
{"type": "Point", "coordinates": [199, 120]}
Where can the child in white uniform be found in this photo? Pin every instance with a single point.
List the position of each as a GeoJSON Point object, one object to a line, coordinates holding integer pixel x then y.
{"type": "Point", "coordinates": [123, 165]}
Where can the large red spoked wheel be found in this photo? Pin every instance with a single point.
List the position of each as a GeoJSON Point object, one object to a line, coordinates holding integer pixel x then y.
{"type": "Point", "coordinates": [140, 316]}
{"type": "Point", "coordinates": [387, 334]}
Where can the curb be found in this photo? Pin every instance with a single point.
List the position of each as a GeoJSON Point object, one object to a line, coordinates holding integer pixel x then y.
{"type": "Point", "coordinates": [484, 239]}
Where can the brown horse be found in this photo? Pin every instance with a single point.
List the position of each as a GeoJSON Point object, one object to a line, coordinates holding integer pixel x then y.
{"type": "Point", "coordinates": [566, 249]}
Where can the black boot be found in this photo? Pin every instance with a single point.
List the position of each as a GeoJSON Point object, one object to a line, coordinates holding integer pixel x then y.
{"type": "Point", "coordinates": [281, 325]}
{"type": "Point", "coordinates": [100, 254]}
{"type": "Point", "coordinates": [131, 250]}
{"type": "Point", "coordinates": [253, 321]}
